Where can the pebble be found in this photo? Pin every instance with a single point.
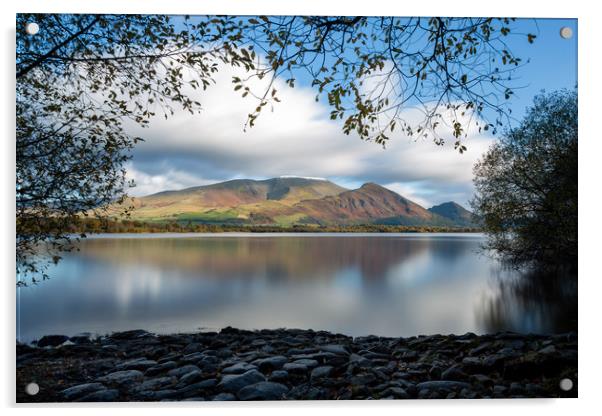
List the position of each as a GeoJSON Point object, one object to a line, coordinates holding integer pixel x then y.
{"type": "Point", "coordinates": [396, 392]}
{"type": "Point", "coordinates": [335, 349]}
{"type": "Point", "coordinates": [279, 375]}
{"type": "Point", "coordinates": [101, 396]}
{"type": "Point", "coordinates": [454, 373]}
{"type": "Point", "coordinates": [224, 397]}
{"type": "Point", "coordinates": [270, 363]}
{"type": "Point", "coordinates": [156, 383]}
{"type": "Point", "coordinates": [191, 377]}
{"type": "Point", "coordinates": [239, 368]}
{"type": "Point", "coordinates": [141, 364]}
{"type": "Point", "coordinates": [122, 377]}
{"type": "Point", "coordinates": [180, 371]}
{"type": "Point", "coordinates": [265, 390]}
{"type": "Point", "coordinates": [232, 383]}
{"type": "Point", "coordinates": [161, 368]}
{"type": "Point", "coordinates": [294, 368]}
{"type": "Point", "coordinates": [82, 389]}
{"type": "Point", "coordinates": [307, 363]}
{"type": "Point", "coordinates": [296, 364]}
{"type": "Point", "coordinates": [321, 372]}
{"type": "Point", "coordinates": [442, 385]}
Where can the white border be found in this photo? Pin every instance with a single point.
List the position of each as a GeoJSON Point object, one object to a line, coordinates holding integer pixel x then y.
{"type": "Point", "coordinates": [590, 286]}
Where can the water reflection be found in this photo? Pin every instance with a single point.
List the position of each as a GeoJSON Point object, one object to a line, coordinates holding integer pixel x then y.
{"type": "Point", "coordinates": [531, 301]}
{"type": "Point", "coordinates": [396, 285]}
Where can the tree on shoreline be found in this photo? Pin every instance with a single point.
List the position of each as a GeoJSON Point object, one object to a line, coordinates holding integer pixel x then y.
{"type": "Point", "coordinates": [82, 77]}
{"type": "Point", "coordinates": [526, 186]}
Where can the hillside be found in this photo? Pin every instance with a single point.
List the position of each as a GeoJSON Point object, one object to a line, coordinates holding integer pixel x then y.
{"type": "Point", "coordinates": [454, 212]}
{"type": "Point", "coordinates": [288, 201]}
{"type": "Point", "coordinates": [370, 203]}
{"type": "Point", "coordinates": [232, 201]}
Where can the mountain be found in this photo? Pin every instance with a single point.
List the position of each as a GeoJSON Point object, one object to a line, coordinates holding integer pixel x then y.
{"type": "Point", "coordinates": [232, 201]}
{"type": "Point", "coordinates": [370, 203]}
{"type": "Point", "coordinates": [287, 201]}
{"type": "Point", "coordinates": [454, 212]}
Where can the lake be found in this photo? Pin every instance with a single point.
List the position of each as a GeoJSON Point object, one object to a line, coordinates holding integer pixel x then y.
{"type": "Point", "coordinates": [356, 284]}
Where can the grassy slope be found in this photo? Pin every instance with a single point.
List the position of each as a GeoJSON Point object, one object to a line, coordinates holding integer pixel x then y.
{"type": "Point", "coordinates": [285, 202]}
{"type": "Point", "coordinates": [234, 201]}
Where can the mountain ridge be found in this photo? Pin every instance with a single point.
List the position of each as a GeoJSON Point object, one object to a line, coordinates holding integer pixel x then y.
{"type": "Point", "coordinates": [291, 201]}
{"type": "Point", "coordinates": [455, 212]}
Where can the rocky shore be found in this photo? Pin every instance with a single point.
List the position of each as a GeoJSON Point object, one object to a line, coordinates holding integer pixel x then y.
{"type": "Point", "coordinates": [293, 364]}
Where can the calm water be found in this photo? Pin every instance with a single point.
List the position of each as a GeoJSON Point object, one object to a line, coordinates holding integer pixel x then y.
{"type": "Point", "coordinates": [357, 284]}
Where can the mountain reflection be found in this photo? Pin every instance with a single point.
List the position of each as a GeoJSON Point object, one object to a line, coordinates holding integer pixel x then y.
{"type": "Point", "coordinates": [392, 285]}
{"type": "Point", "coordinates": [282, 258]}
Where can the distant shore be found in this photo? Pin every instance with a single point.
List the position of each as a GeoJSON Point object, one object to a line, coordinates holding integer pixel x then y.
{"type": "Point", "coordinates": [294, 364]}
{"type": "Point", "coordinates": [94, 226]}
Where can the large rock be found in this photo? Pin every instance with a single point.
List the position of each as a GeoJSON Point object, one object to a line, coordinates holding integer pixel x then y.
{"type": "Point", "coordinates": [265, 390]}
{"type": "Point", "coordinates": [83, 338]}
{"type": "Point", "coordinates": [52, 340]}
{"type": "Point", "coordinates": [234, 382]}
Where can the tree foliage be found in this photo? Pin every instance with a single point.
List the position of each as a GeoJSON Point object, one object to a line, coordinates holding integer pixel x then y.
{"type": "Point", "coordinates": [78, 82]}
{"type": "Point", "coordinates": [82, 78]}
{"type": "Point", "coordinates": [453, 72]}
{"type": "Point", "coordinates": [526, 186]}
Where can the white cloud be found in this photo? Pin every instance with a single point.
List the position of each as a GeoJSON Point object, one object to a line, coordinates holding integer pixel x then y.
{"type": "Point", "coordinates": [296, 137]}
{"type": "Point", "coordinates": [147, 184]}
{"type": "Point", "coordinates": [412, 191]}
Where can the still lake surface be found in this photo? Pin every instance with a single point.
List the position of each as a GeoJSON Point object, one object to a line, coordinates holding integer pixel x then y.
{"type": "Point", "coordinates": [357, 284]}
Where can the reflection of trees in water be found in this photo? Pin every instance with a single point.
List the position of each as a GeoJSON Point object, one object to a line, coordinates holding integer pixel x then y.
{"type": "Point", "coordinates": [531, 301]}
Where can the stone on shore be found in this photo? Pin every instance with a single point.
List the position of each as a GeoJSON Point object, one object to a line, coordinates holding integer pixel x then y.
{"type": "Point", "coordinates": [52, 340]}
{"type": "Point", "coordinates": [122, 377]}
{"type": "Point", "coordinates": [270, 363]}
{"type": "Point", "coordinates": [238, 368]}
{"type": "Point", "coordinates": [264, 390]}
{"type": "Point", "coordinates": [321, 372]}
{"type": "Point", "coordinates": [101, 396]}
{"type": "Point", "coordinates": [80, 390]}
{"type": "Point", "coordinates": [232, 383]}
{"type": "Point", "coordinates": [295, 364]}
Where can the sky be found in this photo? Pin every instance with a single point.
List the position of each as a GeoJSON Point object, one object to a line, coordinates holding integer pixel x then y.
{"type": "Point", "coordinates": [297, 138]}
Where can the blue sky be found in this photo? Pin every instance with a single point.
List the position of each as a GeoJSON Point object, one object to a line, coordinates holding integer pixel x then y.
{"type": "Point", "coordinates": [553, 60]}
{"type": "Point", "coordinates": [296, 137]}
